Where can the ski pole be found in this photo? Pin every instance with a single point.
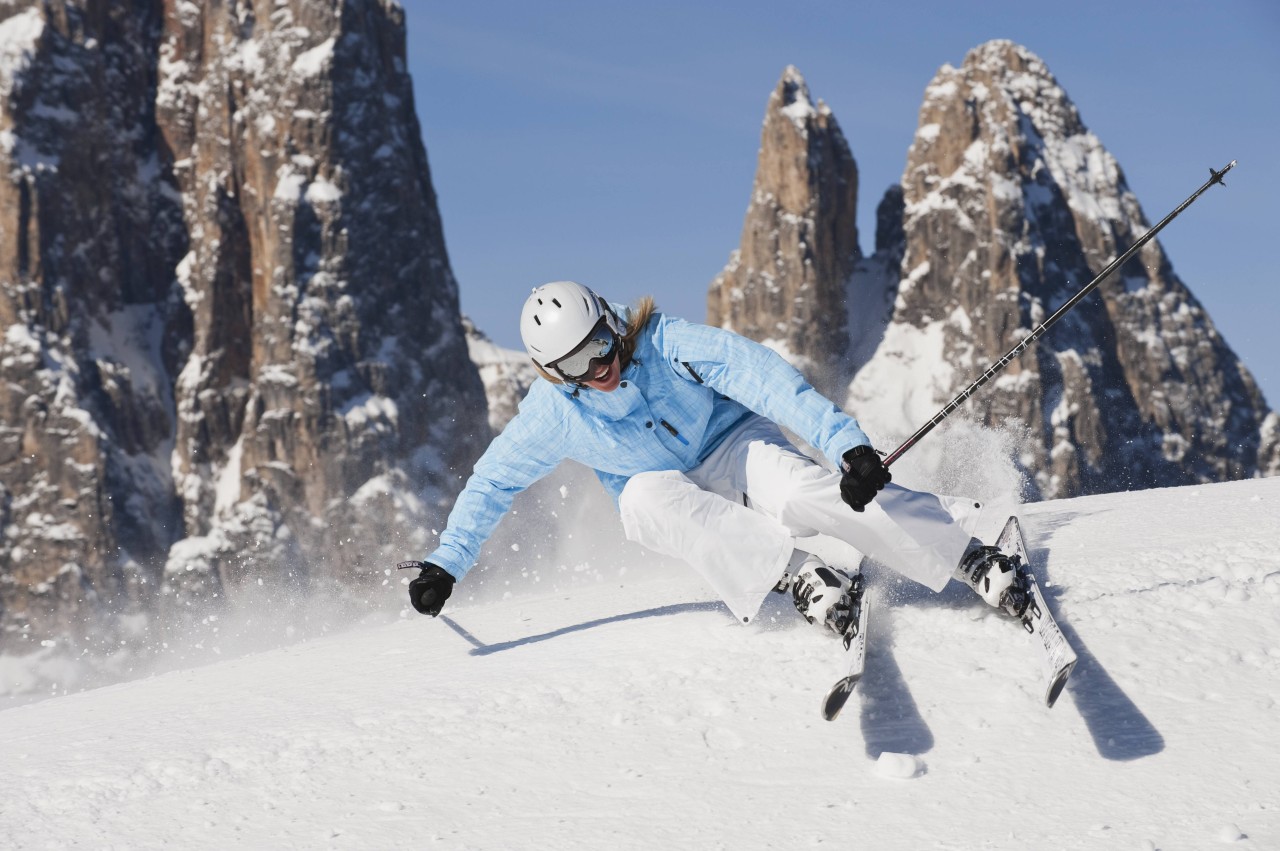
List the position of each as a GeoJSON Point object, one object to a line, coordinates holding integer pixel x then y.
{"type": "Point", "coordinates": [998, 366]}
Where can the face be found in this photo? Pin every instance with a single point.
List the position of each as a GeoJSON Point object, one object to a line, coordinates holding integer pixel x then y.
{"type": "Point", "coordinates": [606, 377]}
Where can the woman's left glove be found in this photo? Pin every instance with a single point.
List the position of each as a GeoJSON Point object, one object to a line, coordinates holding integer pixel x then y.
{"type": "Point", "coordinates": [864, 475]}
{"type": "Point", "coordinates": [433, 586]}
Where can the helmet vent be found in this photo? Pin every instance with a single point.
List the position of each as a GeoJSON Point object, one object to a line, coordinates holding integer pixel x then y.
{"type": "Point", "coordinates": [557, 303]}
{"type": "Point", "coordinates": [536, 319]}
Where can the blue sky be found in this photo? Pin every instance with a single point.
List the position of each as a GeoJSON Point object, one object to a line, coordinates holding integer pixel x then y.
{"type": "Point", "coordinates": [615, 143]}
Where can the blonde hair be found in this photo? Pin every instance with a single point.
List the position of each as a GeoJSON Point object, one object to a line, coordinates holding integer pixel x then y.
{"type": "Point", "coordinates": [636, 319]}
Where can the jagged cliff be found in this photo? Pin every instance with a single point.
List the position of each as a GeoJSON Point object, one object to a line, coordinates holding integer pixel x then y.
{"type": "Point", "coordinates": [507, 374]}
{"type": "Point", "coordinates": [1011, 205]}
{"type": "Point", "coordinates": [232, 353]}
{"type": "Point", "coordinates": [1008, 206]}
{"type": "Point", "coordinates": [785, 283]}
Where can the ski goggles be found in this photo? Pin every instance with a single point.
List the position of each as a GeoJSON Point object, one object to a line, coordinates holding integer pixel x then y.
{"type": "Point", "coordinates": [597, 349]}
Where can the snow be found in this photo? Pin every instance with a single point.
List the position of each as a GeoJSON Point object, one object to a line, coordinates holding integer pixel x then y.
{"type": "Point", "coordinates": [289, 185]}
{"type": "Point", "coordinates": [56, 113]}
{"type": "Point", "coordinates": [248, 59]}
{"type": "Point", "coordinates": [131, 338]}
{"type": "Point", "coordinates": [939, 201]}
{"type": "Point", "coordinates": [507, 374]}
{"type": "Point", "coordinates": [312, 62]}
{"type": "Point", "coordinates": [370, 411]}
{"type": "Point", "coordinates": [277, 373]}
{"type": "Point", "coordinates": [323, 191]}
{"type": "Point", "coordinates": [908, 385]}
{"type": "Point", "coordinates": [227, 489]}
{"type": "Point", "coordinates": [20, 347]}
{"type": "Point", "coordinates": [899, 766]}
{"type": "Point", "coordinates": [195, 553]}
{"type": "Point", "coordinates": [928, 132]}
{"type": "Point", "coordinates": [18, 36]}
{"type": "Point", "coordinates": [632, 712]}
{"type": "Point", "coordinates": [801, 110]}
{"type": "Point", "coordinates": [1088, 175]}
{"type": "Point", "coordinates": [186, 271]}
{"type": "Point", "coordinates": [944, 90]}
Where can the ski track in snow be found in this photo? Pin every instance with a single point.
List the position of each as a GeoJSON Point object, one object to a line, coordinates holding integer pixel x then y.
{"type": "Point", "coordinates": [640, 715]}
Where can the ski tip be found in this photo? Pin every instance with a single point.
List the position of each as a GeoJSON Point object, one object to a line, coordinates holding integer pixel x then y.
{"type": "Point", "coordinates": [1056, 687]}
{"type": "Point", "coordinates": [838, 697]}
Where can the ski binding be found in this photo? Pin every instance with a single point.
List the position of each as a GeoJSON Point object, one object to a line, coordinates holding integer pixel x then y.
{"type": "Point", "coordinates": [855, 650]}
{"type": "Point", "coordinates": [1057, 658]}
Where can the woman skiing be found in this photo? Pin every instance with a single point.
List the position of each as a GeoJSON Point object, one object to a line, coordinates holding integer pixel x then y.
{"type": "Point", "coordinates": [681, 421]}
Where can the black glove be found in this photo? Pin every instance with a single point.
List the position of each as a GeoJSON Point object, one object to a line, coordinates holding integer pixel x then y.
{"type": "Point", "coordinates": [864, 476]}
{"type": "Point", "coordinates": [433, 586]}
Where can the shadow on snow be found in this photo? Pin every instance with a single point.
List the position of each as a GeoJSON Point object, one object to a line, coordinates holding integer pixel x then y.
{"type": "Point", "coordinates": [479, 648]}
{"type": "Point", "coordinates": [1120, 730]}
{"type": "Point", "coordinates": [890, 719]}
{"type": "Point", "coordinates": [891, 722]}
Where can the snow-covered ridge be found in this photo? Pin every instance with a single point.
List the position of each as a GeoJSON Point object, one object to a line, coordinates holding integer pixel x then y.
{"type": "Point", "coordinates": [507, 374]}
{"type": "Point", "coordinates": [631, 711]}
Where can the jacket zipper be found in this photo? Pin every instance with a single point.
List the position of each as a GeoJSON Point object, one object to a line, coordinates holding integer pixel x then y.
{"type": "Point", "coordinates": [669, 427]}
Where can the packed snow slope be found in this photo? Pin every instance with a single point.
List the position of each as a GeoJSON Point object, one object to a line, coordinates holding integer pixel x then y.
{"type": "Point", "coordinates": [633, 712]}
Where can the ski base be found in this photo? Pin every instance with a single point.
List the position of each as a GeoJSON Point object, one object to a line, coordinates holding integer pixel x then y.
{"type": "Point", "coordinates": [1057, 658]}
{"type": "Point", "coordinates": [856, 654]}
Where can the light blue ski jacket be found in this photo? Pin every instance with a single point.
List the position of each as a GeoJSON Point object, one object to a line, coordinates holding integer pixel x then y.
{"type": "Point", "coordinates": [686, 388]}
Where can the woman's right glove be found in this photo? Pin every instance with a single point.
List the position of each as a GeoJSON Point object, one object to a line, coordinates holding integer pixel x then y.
{"type": "Point", "coordinates": [433, 586]}
{"type": "Point", "coordinates": [863, 476]}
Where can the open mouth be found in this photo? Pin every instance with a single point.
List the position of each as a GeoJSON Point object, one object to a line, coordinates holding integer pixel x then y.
{"type": "Point", "coordinates": [602, 374]}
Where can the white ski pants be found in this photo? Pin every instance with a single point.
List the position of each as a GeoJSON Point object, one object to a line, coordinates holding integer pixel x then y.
{"type": "Point", "coordinates": [737, 515]}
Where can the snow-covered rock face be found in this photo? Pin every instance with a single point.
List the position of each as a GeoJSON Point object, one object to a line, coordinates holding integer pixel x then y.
{"type": "Point", "coordinates": [507, 374]}
{"type": "Point", "coordinates": [785, 285]}
{"type": "Point", "coordinates": [230, 346]}
{"type": "Point", "coordinates": [1010, 206]}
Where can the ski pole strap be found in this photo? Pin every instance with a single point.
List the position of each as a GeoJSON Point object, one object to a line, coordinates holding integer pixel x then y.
{"type": "Point", "coordinates": [998, 367]}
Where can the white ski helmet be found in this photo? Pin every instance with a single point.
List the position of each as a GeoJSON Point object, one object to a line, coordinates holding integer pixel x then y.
{"type": "Point", "coordinates": [559, 316]}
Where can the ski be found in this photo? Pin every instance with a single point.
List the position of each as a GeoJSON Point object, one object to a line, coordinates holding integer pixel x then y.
{"type": "Point", "coordinates": [1057, 658]}
{"type": "Point", "coordinates": [855, 653]}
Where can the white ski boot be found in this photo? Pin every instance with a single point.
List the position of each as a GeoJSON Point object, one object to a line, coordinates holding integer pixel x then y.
{"type": "Point", "coordinates": [996, 577]}
{"type": "Point", "coordinates": [826, 596]}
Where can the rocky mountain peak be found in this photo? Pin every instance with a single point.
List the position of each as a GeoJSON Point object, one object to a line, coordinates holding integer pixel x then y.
{"type": "Point", "coordinates": [231, 355]}
{"type": "Point", "coordinates": [1010, 206]}
{"type": "Point", "coordinates": [785, 285]}
{"type": "Point", "coordinates": [792, 99]}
